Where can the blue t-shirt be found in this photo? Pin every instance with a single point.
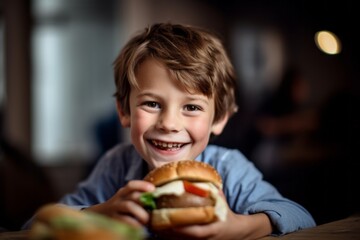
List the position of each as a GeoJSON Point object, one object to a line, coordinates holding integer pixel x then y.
{"type": "Point", "coordinates": [243, 185]}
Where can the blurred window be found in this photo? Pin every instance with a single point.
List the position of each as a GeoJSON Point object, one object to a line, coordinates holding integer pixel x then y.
{"type": "Point", "coordinates": [2, 65]}
{"type": "Point", "coordinates": [73, 46]}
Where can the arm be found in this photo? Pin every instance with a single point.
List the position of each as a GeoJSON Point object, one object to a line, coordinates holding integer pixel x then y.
{"type": "Point", "coordinates": [124, 205]}
{"type": "Point", "coordinates": [247, 193]}
{"type": "Point", "coordinates": [110, 190]}
{"type": "Point", "coordinates": [113, 172]}
{"type": "Point", "coordinates": [253, 226]}
{"type": "Point", "coordinates": [236, 226]}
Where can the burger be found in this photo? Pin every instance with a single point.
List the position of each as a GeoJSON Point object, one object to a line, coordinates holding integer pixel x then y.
{"type": "Point", "coordinates": [59, 222]}
{"type": "Point", "coordinates": [187, 192]}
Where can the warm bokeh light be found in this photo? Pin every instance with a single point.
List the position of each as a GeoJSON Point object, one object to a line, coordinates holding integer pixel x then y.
{"type": "Point", "coordinates": [328, 42]}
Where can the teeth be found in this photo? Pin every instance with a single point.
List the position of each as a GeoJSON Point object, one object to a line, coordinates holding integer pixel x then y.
{"type": "Point", "coordinates": [164, 145]}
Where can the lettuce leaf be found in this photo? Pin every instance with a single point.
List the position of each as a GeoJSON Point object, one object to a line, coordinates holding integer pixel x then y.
{"type": "Point", "coordinates": [95, 220]}
{"type": "Point", "coordinates": [148, 200]}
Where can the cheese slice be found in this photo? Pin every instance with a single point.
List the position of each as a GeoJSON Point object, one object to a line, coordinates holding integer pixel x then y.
{"type": "Point", "coordinates": [177, 188]}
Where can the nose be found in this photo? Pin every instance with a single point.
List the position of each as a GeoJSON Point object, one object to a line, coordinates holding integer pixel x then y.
{"type": "Point", "coordinates": [169, 121]}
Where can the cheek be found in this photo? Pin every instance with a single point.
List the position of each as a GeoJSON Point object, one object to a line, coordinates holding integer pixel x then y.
{"type": "Point", "coordinates": [200, 129]}
{"type": "Point", "coordinates": [140, 122]}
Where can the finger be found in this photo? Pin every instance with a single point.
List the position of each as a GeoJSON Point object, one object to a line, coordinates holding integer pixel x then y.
{"type": "Point", "coordinates": [194, 231]}
{"type": "Point", "coordinates": [135, 196]}
{"type": "Point", "coordinates": [199, 231]}
{"type": "Point", "coordinates": [131, 208]}
{"type": "Point", "coordinates": [141, 185]}
{"type": "Point", "coordinates": [136, 185]}
{"type": "Point", "coordinates": [128, 220]}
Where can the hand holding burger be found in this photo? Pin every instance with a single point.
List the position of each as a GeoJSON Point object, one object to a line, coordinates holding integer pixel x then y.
{"type": "Point", "coordinates": [187, 192]}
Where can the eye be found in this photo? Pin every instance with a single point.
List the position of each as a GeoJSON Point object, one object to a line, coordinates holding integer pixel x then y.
{"type": "Point", "coordinates": [151, 104]}
{"type": "Point", "coordinates": [192, 108]}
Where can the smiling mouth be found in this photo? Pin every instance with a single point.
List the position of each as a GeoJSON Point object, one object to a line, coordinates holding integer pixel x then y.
{"type": "Point", "coordinates": [169, 146]}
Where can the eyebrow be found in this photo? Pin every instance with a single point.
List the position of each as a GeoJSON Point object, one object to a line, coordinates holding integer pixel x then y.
{"type": "Point", "coordinates": [202, 99]}
{"type": "Point", "coordinates": [189, 97]}
{"type": "Point", "coordinates": [147, 94]}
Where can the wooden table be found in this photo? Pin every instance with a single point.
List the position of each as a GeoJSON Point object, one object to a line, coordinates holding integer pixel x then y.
{"type": "Point", "coordinates": [18, 235]}
{"type": "Point", "coordinates": [348, 228]}
{"type": "Point", "coordinates": [345, 229]}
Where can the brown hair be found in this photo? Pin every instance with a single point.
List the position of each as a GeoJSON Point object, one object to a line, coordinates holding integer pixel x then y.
{"type": "Point", "coordinates": [195, 57]}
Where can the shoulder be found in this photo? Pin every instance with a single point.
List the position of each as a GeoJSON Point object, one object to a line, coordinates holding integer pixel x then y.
{"type": "Point", "coordinates": [214, 154]}
{"type": "Point", "coordinates": [121, 150]}
{"type": "Point", "coordinates": [121, 163]}
{"type": "Point", "coordinates": [122, 154]}
{"type": "Point", "coordinates": [230, 163]}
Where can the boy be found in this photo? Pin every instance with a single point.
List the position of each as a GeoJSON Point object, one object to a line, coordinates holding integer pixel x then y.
{"type": "Point", "coordinates": [175, 88]}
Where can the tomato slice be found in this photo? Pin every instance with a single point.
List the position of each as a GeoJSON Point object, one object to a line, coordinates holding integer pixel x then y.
{"type": "Point", "coordinates": [191, 188]}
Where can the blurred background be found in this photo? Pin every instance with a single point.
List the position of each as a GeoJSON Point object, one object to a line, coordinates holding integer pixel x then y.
{"type": "Point", "coordinates": [298, 117]}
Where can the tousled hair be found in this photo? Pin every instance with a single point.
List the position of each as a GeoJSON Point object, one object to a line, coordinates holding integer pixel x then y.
{"type": "Point", "coordinates": [195, 58]}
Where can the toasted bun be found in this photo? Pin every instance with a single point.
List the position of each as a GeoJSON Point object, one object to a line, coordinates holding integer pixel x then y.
{"type": "Point", "coordinates": [173, 217]}
{"type": "Point", "coordinates": [60, 222]}
{"type": "Point", "coordinates": [187, 170]}
{"type": "Point", "coordinates": [43, 232]}
{"type": "Point", "coordinates": [48, 212]}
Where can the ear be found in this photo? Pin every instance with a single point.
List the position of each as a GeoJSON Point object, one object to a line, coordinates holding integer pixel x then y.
{"type": "Point", "coordinates": [124, 118]}
{"type": "Point", "coordinates": [218, 126]}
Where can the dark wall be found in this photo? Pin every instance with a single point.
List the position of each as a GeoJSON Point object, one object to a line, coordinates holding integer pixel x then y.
{"type": "Point", "coordinates": [317, 163]}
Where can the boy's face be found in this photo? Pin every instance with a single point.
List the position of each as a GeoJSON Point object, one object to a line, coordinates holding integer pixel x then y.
{"type": "Point", "coordinates": [167, 123]}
